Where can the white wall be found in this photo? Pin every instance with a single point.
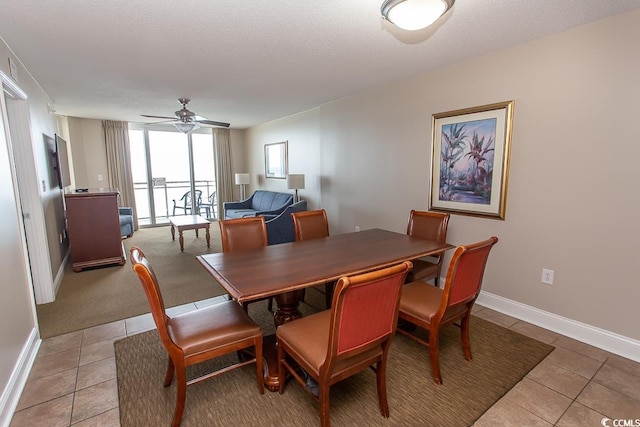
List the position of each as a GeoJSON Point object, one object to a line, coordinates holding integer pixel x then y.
{"type": "Point", "coordinates": [572, 202]}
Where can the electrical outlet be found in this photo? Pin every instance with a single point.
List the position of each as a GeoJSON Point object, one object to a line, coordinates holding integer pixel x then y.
{"type": "Point", "coordinates": [547, 276]}
{"type": "Point", "coordinates": [357, 228]}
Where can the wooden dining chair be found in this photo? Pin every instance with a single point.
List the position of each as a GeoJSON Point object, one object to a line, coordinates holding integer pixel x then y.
{"type": "Point", "coordinates": [199, 335]}
{"type": "Point", "coordinates": [356, 333]}
{"type": "Point", "coordinates": [313, 225]}
{"type": "Point", "coordinates": [243, 234]}
{"type": "Point", "coordinates": [431, 226]}
{"type": "Point", "coordinates": [433, 308]}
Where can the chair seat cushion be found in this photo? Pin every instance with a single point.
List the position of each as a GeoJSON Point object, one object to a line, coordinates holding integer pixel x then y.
{"type": "Point", "coordinates": [210, 327]}
{"type": "Point", "coordinates": [308, 339]}
{"type": "Point", "coordinates": [422, 301]}
{"type": "Point", "coordinates": [422, 270]}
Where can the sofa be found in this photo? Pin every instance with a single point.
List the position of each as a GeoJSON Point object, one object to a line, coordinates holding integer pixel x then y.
{"type": "Point", "coordinates": [126, 221]}
{"type": "Point", "coordinates": [259, 203]}
{"type": "Point", "coordinates": [280, 227]}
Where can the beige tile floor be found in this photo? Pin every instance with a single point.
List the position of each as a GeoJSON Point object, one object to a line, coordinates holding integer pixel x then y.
{"type": "Point", "coordinates": [73, 380]}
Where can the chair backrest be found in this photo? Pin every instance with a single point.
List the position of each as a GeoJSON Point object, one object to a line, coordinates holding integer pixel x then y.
{"type": "Point", "coordinates": [186, 198]}
{"type": "Point", "coordinates": [142, 268]}
{"type": "Point", "coordinates": [241, 234]}
{"type": "Point", "coordinates": [364, 311]}
{"type": "Point", "coordinates": [428, 225]}
{"type": "Point", "coordinates": [464, 277]}
{"type": "Point", "coordinates": [310, 224]}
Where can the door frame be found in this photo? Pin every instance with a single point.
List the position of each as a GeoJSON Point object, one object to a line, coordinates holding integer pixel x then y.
{"type": "Point", "coordinates": [19, 139]}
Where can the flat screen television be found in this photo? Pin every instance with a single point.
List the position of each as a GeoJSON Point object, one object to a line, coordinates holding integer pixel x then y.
{"type": "Point", "coordinates": [62, 160]}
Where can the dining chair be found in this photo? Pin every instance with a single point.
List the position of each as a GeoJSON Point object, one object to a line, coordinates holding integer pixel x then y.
{"type": "Point", "coordinates": [185, 204]}
{"type": "Point", "coordinates": [433, 308]}
{"type": "Point", "coordinates": [199, 335]}
{"type": "Point", "coordinates": [431, 226]}
{"type": "Point", "coordinates": [243, 234]}
{"type": "Point", "coordinates": [313, 225]}
{"type": "Point", "coordinates": [356, 333]}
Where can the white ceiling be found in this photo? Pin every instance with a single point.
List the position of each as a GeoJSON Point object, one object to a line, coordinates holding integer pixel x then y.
{"type": "Point", "coordinates": [250, 61]}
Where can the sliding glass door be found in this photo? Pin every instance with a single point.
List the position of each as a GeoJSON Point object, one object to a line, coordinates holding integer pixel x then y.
{"type": "Point", "coordinates": [167, 165]}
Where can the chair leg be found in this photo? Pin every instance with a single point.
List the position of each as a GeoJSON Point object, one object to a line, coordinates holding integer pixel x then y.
{"type": "Point", "coordinates": [381, 379]}
{"type": "Point", "coordinates": [323, 400]}
{"type": "Point", "coordinates": [169, 375]}
{"type": "Point", "coordinates": [281, 374]}
{"type": "Point", "coordinates": [270, 304]}
{"type": "Point", "coordinates": [181, 393]}
{"type": "Point", "coordinates": [433, 354]}
{"type": "Point", "coordinates": [328, 293]}
{"type": "Point", "coordinates": [259, 371]}
{"type": "Point", "coordinates": [464, 329]}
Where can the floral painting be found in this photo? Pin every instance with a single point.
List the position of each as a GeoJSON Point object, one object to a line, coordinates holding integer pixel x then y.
{"type": "Point", "coordinates": [470, 160]}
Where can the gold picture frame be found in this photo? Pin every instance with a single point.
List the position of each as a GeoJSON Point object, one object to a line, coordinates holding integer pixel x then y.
{"type": "Point", "coordinates": [470, 161]}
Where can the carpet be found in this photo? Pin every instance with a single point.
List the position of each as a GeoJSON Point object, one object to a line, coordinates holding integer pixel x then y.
{"type": "Point", "coordinates": [501, 358]}
{"type": "Point", "coordinates": [102, 295]}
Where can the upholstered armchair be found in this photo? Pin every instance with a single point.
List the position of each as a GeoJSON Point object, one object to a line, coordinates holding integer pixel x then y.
{"type": "Point", "coordinates": [126, 221]}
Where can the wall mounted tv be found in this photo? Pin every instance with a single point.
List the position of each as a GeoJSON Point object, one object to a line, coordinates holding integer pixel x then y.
{"type": "Point", "coordinates": [62, 162]}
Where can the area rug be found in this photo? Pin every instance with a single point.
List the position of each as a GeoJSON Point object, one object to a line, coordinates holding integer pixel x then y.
{"type": "Point", "coordinates": [102, 295]}
{"type": "Point", "coordinates": [501, 358]}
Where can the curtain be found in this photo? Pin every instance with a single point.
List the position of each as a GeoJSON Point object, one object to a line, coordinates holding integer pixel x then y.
{"type": "Point", "coordinates": [224, 170]}
{"type": "Point", "coordinates": [116, 138]}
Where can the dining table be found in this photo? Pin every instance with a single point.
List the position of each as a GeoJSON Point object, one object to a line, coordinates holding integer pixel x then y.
{"type": "Point", "coordinates": [282, 271]}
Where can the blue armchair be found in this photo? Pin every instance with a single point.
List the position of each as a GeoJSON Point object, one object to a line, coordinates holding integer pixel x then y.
{"type": "Point", "coordinates": [126, 221]}
{"type": "Point", "coordinates": [280, 227]}
{"type": "Point", "coordinates": [259, 203]}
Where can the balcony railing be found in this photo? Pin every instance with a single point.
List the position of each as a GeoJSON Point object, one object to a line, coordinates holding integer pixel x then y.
{"type": "Point", "coordinates": [164, 193]}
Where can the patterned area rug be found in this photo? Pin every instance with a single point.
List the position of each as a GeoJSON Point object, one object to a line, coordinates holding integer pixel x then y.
{"type": "Point", "coordinates": [501, 358]}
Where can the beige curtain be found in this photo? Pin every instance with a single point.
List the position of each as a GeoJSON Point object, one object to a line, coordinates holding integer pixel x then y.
{"type": "Point", "coordinates": [116, 137]}
{"type": "Point", "coordinates": [224, 170]}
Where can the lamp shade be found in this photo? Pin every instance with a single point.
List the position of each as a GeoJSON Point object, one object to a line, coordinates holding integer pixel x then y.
{"type": "Point", "coordinates": [414, 14]}
{"type": "Point", "coordinates": [295, 181]}
{"type": "Point", "coordinates": [242, 178]}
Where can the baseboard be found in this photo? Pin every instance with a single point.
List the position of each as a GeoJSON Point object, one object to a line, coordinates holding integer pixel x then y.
{"type": "Point", "coordinates": [606, 340]}
{"type": "Point", "coordinates": [58, 280]}
{"type": "Point", "coordinates": [18, 379]}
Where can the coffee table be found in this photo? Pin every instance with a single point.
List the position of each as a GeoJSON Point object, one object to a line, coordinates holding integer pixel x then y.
{"type": "Point", "coordinates": [189, 222]}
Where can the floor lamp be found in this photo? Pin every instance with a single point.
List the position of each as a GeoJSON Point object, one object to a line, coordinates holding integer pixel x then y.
{"type": "Point", "coordinates": [295, 182]}
{"type": "Point", "coordinates": [242, 179]}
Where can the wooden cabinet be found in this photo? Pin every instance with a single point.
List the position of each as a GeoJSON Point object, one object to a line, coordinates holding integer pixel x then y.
{"type": "Point", "coordinates": [94, 228]}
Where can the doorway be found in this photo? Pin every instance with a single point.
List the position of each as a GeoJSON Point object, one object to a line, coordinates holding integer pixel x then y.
{"type": "Point", "coordinates": [167, 165]}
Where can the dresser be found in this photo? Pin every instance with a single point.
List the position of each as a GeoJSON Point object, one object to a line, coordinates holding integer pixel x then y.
{"type": "Point", "coordinates": [93, 226]}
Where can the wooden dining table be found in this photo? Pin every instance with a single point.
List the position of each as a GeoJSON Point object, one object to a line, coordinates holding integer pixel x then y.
{"type": "Point", "coordinates": [282, 270]}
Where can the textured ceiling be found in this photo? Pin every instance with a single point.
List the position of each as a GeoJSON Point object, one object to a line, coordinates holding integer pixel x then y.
{"type": "Point", "coordinates": [248, 62]}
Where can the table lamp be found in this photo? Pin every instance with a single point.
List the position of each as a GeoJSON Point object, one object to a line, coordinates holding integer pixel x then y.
{"type": "Point", "coordinates": [242, 179]}
{"type": "Point", "coordinates": [295, 182]}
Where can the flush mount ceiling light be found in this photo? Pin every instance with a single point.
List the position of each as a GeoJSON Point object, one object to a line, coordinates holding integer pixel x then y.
{"type": "Point", "coordinates": [414, 14]}
{"type": "Point", "coordinates": [186, 127]}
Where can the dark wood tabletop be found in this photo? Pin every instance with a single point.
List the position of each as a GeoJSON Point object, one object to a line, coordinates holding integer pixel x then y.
{"type": "Point", "coordinates": [275, 269]}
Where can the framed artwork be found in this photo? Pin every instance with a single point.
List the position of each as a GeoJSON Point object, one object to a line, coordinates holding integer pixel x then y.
{"type": "Point", "coordinates": [470, 161]}
{"type": "Point", "coordinates": [275, 160]}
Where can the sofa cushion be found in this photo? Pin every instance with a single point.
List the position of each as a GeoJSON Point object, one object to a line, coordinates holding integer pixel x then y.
{"type": "Point", "coordinates": [269, 200]}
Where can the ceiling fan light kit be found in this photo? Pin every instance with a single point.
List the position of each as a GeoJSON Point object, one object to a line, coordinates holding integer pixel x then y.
{"type": "Point", "coordinates": [412, 15]}
{"type": "Point", "coordinates": [186, 127]}
{"type": "Point", "coordinates": [186, 121]}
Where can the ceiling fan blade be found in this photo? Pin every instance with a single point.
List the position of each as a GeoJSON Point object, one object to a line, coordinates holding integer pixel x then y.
{"type": "Point", "coordinates": [213, 123]}
{"type": "Point", "coordinates": [159, 117]}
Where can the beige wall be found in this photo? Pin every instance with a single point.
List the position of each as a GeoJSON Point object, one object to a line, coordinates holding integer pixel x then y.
{"type": "Point", "coordinates": [572, 201]}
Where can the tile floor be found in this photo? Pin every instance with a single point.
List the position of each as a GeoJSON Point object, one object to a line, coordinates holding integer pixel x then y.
{"type": "Point", "coordinates": [73, 380]}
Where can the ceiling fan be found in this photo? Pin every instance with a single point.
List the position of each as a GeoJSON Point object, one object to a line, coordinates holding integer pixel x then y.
{"type": "Point", "coordinates": [185, 120]}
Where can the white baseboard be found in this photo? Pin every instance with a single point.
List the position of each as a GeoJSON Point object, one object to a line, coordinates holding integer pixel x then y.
{"type": "Point", "coordinates": [606, 340]}
{"type": "Point", "coordinates": [58, 279]}
{"type": "Point", "coordinates": [19, 376]}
